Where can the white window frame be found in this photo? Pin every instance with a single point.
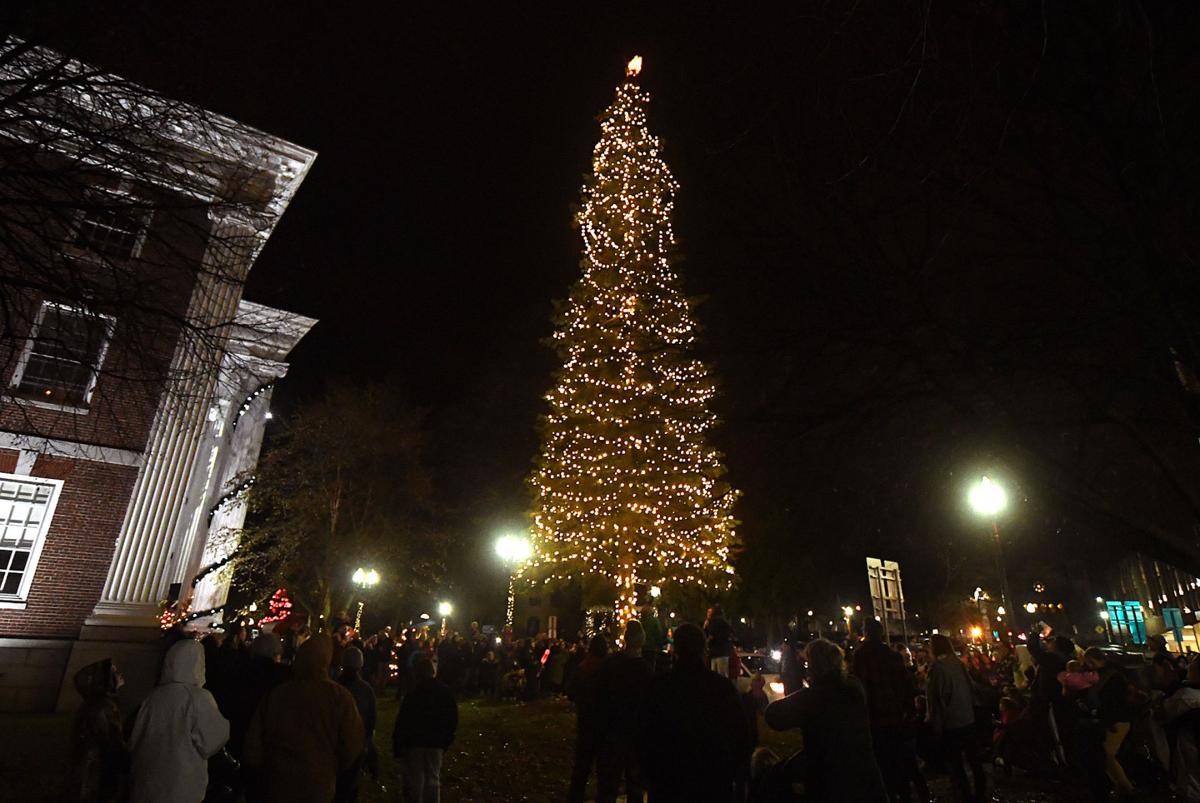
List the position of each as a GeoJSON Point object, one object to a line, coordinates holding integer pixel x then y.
{"type": "Point", "coordinates": [110, 324]}
{"type": "Point", "coordinates": [19, 600]}
{"type": "Point", "coordinates": [120, 191]}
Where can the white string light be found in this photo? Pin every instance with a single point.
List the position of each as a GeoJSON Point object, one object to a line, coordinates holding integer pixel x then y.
{"type": "Point", "coordinates": [627, 487]}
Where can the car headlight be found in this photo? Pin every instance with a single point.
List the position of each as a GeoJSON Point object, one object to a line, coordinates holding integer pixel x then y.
{"type": "Point", "coordinates": [777, 687]}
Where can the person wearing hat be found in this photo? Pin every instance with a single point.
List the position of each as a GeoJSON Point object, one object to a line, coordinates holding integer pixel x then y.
{"type": "Point", "coordinates": [364, 700]}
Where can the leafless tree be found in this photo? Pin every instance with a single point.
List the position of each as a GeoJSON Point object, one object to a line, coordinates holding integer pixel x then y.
{"type": "Point", "coordinates": [125, 219]}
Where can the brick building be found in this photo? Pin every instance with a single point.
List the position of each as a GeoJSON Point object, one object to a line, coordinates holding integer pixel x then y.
{"type": "Point", "coordinates": [136, 380]}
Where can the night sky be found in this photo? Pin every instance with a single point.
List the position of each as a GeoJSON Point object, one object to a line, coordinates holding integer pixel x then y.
{"type": "Point", "coordinates": [434, 231]}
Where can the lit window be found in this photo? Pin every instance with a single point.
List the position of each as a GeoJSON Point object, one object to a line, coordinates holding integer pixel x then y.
{"type": "Point", "coordinates": [65, 351]}
{"type": "Point", "coordinates": [26, 507]}
{"type": "Point", "coordinates": [115, 232]}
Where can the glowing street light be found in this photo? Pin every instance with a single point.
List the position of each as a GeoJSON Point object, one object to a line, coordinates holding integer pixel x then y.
{"type": "Point", "coordinates": [655, 592]}
{"type": "Point", "coordinates": [512, 550]}
{"type": "Point", "coordinates": [444, 610]}
{"type": "Point", "coordinates": [988, 499]}
{"type": "Point", "coordinates": [364, 579]}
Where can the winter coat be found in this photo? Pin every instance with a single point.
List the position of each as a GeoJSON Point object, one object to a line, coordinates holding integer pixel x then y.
{"type": "Point", "coordinates": [428, 717]}
{"type": "Point", "coordinates": [720, 637]}
{"type": "Point", "coordinates": [693, 740]}
{"type": "Point", "coordinates": [622, 683]}
{"type": "Point", "coordinates": [177, 730]}
{"type": "Point", "coordinates": [890, 698]}
{"type": "Point", "coordinates": [838, 760]}
{"type": "Point", "coordinates": [1114, 696]}
{"type": "Point", "coordinates": [99, 754]}
{"type": "Point", "coordinates": [364, 700]}
{"type": "Point", "coordinates": [948, 695]}
{"type": "Point", "coordinates": [582, 690]}
{"type": "Point", "coordinates": [306, 730]}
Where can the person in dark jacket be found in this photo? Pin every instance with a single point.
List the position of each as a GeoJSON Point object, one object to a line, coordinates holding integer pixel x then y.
{"type": "Point", "coordinates": [1115, 710]}
{"type": "Point", "coordinates": [621, 686]}
{"type": "Point", "coordinates": [719, 634]}
{"type": "Point", "coordinates": [99, 770]}
{"type": "Point", "coordinates": [364, 701]}
{"type": "Point", "coordinates": [305, 731]}
{"type": "Point", "coordinates": [839, 764]}
{"type": "Point", "coordinates": [891, 705]}
{"type": "Point", "coordinates": [1050, 656]}
{"type": "Point", "coordinates": [263, 672]}
{"type": "Point", "coordinates": [693, 740]}
{"type": "Point", "coordinates": [583, 691]}
{"type": "Point", "coordinates": [425, 727]}
{"type": "Point", "coordinates": [950, 712]}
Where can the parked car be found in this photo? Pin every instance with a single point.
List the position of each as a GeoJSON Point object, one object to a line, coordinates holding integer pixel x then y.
{"type": "Point", "coordinates": [753, 663]}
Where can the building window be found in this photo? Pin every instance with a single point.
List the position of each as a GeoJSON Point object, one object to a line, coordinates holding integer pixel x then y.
{"type": "Point", "coordinates": [116, 232]}
{"type": "Point", "coordinates": [63, 355]}
{"type": "Point", "coordinates": [26, 508]}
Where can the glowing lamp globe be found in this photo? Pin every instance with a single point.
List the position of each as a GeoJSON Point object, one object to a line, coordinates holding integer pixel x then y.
{"type": "Point", "coordinates": [445, 609]}
{"type": "Point", "coordinates": [987, 498]}
{"type": "Point", "coordinates": [513, 549]}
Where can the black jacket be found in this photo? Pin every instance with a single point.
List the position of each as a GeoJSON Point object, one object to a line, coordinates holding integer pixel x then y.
{"type": "Point", "coordinates": [622, 683]}
{"type": "Point", "coordinates": [693, 740]}
{"type": "Point", "coordinates": [428, 717]}
{"type": "Point", "coordinates": [838, 760]}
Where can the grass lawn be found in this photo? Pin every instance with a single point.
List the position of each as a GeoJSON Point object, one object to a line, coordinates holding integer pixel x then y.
{"type": "Point", "coordinates": [503, 751]}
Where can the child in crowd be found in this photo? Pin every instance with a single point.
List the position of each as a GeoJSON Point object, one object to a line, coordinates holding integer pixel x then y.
{"type": "Point", "coordinates": [1077, 678]}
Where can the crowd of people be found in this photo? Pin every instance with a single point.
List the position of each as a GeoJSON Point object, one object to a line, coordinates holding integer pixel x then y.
{"type": "Point", "coordinates": [658, 715]}
{"type": "Point", "coordinates": [268, 718]}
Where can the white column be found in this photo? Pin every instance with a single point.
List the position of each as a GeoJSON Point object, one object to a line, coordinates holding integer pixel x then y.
{"type": "Point", "coordinates": [139, 575]}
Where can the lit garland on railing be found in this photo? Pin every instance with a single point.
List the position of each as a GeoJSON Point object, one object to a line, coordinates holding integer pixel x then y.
{"type": "Point", "coordinates": [249, 401]}
{"type": "Point", "coordinates": [627, 487]}
{"type": "Point", "coordinates": [224, 500]}
{"type": "Point", "coordinates": [194, 615]}
{"type": "Point", "coordinates": [212, 567]}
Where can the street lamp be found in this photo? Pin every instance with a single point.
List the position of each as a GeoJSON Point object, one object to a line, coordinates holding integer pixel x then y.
{"type": "Point", "coordinates": [364, 579]}
{"type": "Point", "coordinates": [849, 612]}
{"type": "Point", "coordinates": [444, 610]}
{"type": "Point", "coordinates": [513, 550]}
{"type": "Point", "coordinates": [987, 498]}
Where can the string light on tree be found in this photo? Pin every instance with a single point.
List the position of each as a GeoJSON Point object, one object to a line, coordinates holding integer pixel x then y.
{"type": "Point", "coordinates": [627, 487]}
{"type": "Point", "coordinates": [279, 607]}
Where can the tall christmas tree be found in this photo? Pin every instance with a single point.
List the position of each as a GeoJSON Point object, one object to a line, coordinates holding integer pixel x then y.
{"type": "Point", "coordinates": [627, 487]}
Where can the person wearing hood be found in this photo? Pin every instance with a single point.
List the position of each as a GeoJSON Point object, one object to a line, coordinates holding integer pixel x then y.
{"type": "Point", "coordinates": [424, 729]}
{"type": "Point", "coordinates": [364, 700]}
{"type": "Point", "coordinates": [177, 730]}
{"type": "Point", "coordinates": [99, 754]}
{"type": "Point", "coordinates": [306, 730]}
{"type": "Point", "coordinates": [263, 673]}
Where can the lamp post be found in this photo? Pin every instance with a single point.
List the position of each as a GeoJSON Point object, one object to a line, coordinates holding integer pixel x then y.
{"type": "Point", "coordinates": [512, 550]}
{"type": "Point", "coordinates": [987, 499]}
{"type": "Point", "coordinates": [848, 611]}
{"type": "Point", "coordinates": [444, 611]}
{"type": "Point", "coordinates": [364, 579]}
